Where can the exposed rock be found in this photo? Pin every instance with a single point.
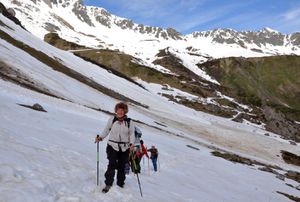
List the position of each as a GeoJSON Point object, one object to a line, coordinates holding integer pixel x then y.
{"type": "Point", "coordinates": [293, 198]}
{"type": "Point", "coordinates": [174, 34]}
{"type": "Point", "coordinates": [268, 169]}
{"type": "Point", "coordinates": [290, 158]}
{"type": "Point", "coordinates": [10, 14]}
{"type": "Point", "coordinates": [51, 27]}
{"type": "Point", "coordinates": [295, 39]}
{"type": "Point", "coordinates": [260, 38]}
{"type": "Point", "coordinates": [293, 175]}
{"type": "Point", "coordinates": [243, 116]}
{"type": "Point", "coordinates": [280, 176]}
{"type": "Point", "coordinates": [277, 122]}
{"type": "Point", "coordinates": [55, 40]}
{"type": "Point", "coordinates": [125, 24]}
{"type": "Point", "coordinates": [235, 158]}
{"type": "Point", "coordinates": [62, 21]}
{"type": "Point", "coordinates": [36, 107]}
{"type": "Point", "coordinates": [81, 12]}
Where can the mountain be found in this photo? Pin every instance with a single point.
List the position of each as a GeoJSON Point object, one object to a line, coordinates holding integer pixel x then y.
{"type": "Point", "coordinates": [175, 62]}
{"type": "Point", "coordinates": [53, 103]}
{"type": "Point", "coordinates": [96, 27]}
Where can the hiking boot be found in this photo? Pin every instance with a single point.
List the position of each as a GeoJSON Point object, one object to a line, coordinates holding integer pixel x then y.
{"type": "Point", "coordinates": [120, 185]}
{"type": "Point", "coordinates": [106, 189]}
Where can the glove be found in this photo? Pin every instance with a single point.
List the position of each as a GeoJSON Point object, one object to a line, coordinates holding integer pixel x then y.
{"type": "Point", "coordinates": [98, 139]}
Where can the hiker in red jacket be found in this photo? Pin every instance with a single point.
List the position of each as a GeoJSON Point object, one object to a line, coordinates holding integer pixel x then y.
{"type": "Point", "coordinates": [144, 149]}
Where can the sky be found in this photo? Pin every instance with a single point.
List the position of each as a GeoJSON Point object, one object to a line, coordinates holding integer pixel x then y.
{"type": "Point", "coordinates": [187, 16]}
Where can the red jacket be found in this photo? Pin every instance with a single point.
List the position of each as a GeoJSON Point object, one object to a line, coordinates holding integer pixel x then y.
{"type": "Point", "coordinates": [145, 150]}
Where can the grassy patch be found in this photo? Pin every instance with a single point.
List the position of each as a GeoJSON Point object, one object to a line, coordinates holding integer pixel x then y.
{"type": "Point", "coordinates": [259, 80]}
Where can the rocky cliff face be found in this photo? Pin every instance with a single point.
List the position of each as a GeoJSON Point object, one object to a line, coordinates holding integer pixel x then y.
{"type": "Point", "coordinates": [245, 39]}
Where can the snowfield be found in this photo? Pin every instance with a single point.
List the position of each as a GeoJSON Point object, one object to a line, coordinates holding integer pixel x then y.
{"type": "Point", "coordinates": [52, 156]}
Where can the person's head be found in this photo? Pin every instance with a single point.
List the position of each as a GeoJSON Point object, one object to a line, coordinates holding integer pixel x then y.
{"type": "Point", "coordinates": [121, 109]}
{"type": "Point", "coordinates": [153, 147]}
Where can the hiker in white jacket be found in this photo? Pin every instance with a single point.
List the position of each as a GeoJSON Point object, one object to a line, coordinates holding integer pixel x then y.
{"type": "Point", "coordinates": [120, 130]}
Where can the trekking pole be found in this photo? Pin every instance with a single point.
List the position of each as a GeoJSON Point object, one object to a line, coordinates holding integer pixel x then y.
{"type": "Point", "coordinates": [137, 175]}
{"type": "Point", "coordinates": [158, 163]}
{"type": "Point", "coordinates": [97, 160]}
{"type": "Point", "coordinates": [148, 167]}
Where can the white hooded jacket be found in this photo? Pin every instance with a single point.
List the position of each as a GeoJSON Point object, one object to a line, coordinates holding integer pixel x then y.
{"type": "Point", "coordinates": [120, 136]}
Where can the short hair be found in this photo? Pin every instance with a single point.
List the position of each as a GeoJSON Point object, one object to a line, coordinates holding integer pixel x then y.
{"type": "Point", "coordinates": [122, 105]}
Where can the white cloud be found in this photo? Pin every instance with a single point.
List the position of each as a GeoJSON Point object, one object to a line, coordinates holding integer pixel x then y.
{"type": "Point", "coordinates": [292, 14]}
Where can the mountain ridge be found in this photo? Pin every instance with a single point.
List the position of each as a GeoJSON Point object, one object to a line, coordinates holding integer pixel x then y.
{"type": "Point", "coordinates": [105, 18]}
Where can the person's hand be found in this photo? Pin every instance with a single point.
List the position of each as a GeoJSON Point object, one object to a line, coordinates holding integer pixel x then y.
{"type": "Point", "coordinates": [131, 147]}
{"type": "Point", "coordinates": [98, 139]}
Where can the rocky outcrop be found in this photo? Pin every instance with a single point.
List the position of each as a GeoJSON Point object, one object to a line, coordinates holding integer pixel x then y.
{"type": "Point", "coordinates": [278, 123]}
{"type": "Point", "coordinates": [259, 38]}
{"type": "Point", "coordinates": [10, 14]}
{"type": "Point", "coordinates": [36, 107]}
{"type": "Point", "coordinates": [81, 12]}
{"type": "Point", "coordinates": [55, 40]}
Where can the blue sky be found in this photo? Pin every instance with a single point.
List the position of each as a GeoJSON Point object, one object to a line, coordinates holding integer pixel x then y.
{"type": "Point", "coordinates": [187, 16]}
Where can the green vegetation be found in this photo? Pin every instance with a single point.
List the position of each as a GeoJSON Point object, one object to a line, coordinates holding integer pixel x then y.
{"type": "Point", "coordinates": [271, 85]}
{"type": "Point", "coordinates": [257, 81]}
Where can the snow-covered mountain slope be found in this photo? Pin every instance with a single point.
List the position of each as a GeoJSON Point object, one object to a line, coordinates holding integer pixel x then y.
{"type": "Point", "coordinates": [51, 156]}
{"type": "Point", "coordinates": [97, 28]}
{"type": "Point", "coordinates": [159, 110]}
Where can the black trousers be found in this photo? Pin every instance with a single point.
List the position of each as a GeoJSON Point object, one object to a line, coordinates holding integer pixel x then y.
{"type": "Point", "coordinates": [116, 161]}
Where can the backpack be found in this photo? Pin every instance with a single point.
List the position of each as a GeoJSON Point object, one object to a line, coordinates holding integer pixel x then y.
{"type": "Point", "coordinates": [154, 153]}
{"type": "Point", "coordinates": [138, 135]}
{"type": "Point", "coordinates": [127, 121]}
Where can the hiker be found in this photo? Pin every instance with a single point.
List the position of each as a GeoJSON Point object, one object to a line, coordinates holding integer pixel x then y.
{"type": "Point", "coordinates": [144, 149]}
{"type": "Point", "coordinates": [137, 156]}
{"type": "Point", "coordinates": [153, 157]}
{"type": "Point", "coordinates": [120, 130]}
{"type": "Point", "coordinates": [135, 159]}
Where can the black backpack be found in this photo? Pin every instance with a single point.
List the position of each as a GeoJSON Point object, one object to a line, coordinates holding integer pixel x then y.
{"type": "Point", "coordinates": [127, 121]}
